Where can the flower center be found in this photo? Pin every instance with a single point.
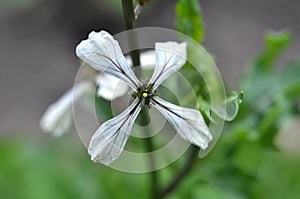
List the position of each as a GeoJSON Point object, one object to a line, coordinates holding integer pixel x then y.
{"type": "Point", "coordinates": [146, 96]}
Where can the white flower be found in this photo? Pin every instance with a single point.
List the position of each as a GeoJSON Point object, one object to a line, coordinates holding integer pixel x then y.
{"type": "Point", "coordinates": [58, 117]}
{"type": "Point", "coordinates": [103, 52]}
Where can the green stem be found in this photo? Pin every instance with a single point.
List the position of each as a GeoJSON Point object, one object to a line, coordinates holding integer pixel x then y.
{"type": "Point", "coordinates": [149, 147]}
{"type": "Point", "coordinates": [130, 24]}
{"type": "Point", "coordinates": [135, 57]}
{"type": "Point", "coordinates": [175, 182]}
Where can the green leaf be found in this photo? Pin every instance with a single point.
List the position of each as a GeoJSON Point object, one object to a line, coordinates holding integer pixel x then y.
{"type": "Point", "coordinates": [60, 169]}
{"type": "Point", "coordinates": [288, 79]}
{"type": "Point", "coordinates": [232, 107]}
{"type": "Point", "coordinates": [248, 157]}
{"type": "Point", "coordinates": [259, 84]}
{"type": "Point", "coordinates": [278, 178]}
{"type": "Point", "coordinates": [263, 88]}
{"type": "Point", "coordinates": [189, 19]}
{"type": "Point", "coordinates": [275, 42]}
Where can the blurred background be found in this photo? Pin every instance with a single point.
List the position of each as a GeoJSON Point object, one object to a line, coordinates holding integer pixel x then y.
{"type": "Point", "coordinates": [38, 38]}
{"type": "Point", "coordinates": [38, 64]}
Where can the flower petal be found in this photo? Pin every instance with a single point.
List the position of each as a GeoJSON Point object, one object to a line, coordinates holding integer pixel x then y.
{"type": "Point", "coordinates": [188, 123]}
{"type": "Point", "coordinates": [108, 142]}
{"type": "Point", "coordinates": [110, 87]}
{"type": "Point", "coordinates": [103, 52]}
{"type": "Point", "coordinates": [147, 59]}
{"type": "Point", "coordinates": [58, 117]}
{"type": "Point", "coordinates": [170, 57]}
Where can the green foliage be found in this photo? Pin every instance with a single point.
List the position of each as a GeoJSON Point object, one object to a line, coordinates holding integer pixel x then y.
{"type": "Point", "coordinates": [60, 169]}
{"type": "Point", "coordinates": [262, 78]}
{"type": "Point", "coordinates": [271, 95]}
{"type": "Point", "coordinates": [189, 19]}
{"type": "Point", "coordinates": [275, 42]}
{"type": "Point", "coordinates": [245, 162]}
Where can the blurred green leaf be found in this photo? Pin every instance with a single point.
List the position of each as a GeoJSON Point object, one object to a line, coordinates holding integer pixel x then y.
{"type": "Point", "coordinates": [232, 107]}
{"type": "Point", "coordinates": [247, 157]}
{"type": "Point", "coordinates": [271, 99]}
{"type": "Point", "coordinates": [189, 19]}
{"type": "Point", "coordinates": [275, 42]}
{"type": "Point", "coordinates": [288, 79]}
{"type": "Point", "coordinates": [272, 120]}
{"type": "Point", "coordinates": [209, 192]}
{"type": "Point", "coordinates": [60, 169]}
{"type": "Point", "coordinates": [271, 95]}
{"type": "Point", "coordinates": [278, 177]}
{"type": "Point", "coordinates": [262, 83]}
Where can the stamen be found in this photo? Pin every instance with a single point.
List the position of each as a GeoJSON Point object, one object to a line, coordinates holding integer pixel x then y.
{"type": "Point", "coordinates": [145, 95]}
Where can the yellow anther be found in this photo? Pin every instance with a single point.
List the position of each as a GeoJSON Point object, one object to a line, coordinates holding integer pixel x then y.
{"type": "Point", "coordinates": [145, 95]}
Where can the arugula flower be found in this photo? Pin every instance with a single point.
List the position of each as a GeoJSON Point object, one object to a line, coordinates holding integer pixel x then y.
{"type": "Point", "coordinates": [102, 52]}
{"type": "Point", "coordinates": [58, 118]}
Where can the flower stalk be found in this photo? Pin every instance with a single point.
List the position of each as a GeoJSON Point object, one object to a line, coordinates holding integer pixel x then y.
{"type": "Point", "coordinates": [130, 23]}
{"type": "Point", "coordinates": [175, 182]}
{"type": "Point", "coordinates": [156, 191]}
{"type": "Point", "coordinates": [149, 147]}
